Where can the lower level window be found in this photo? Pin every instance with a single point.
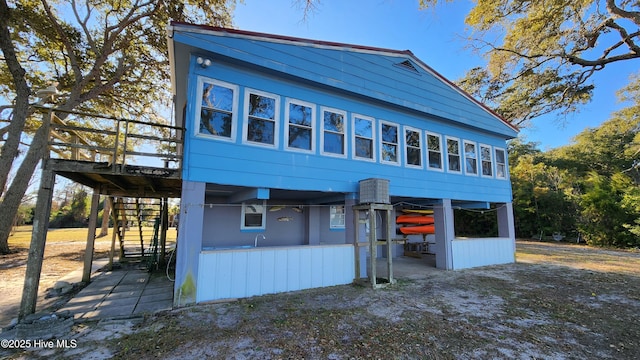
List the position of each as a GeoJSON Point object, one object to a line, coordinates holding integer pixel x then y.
{"type": "Point", "coordinates": [337, 217]}
{"type": "Point", "coordinates": [254, 215]}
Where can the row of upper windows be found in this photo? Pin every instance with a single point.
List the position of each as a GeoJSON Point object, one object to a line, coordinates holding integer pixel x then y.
{"type": "Point", "coordinates": [260, 126]}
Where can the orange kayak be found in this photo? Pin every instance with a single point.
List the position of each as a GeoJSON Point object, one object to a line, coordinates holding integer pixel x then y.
{"type": "Point", "coordinates": [415, 219]}
{"type": "Point", "coordinates": [420, 229]}
{"type": "Point", "coordinates": [418, 211]}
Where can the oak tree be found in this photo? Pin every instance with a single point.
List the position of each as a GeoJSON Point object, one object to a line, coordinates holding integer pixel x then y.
{"type": "Point", "coordinates": [541, 55]}
{"type": "Point", "coordinates": [107, 57]}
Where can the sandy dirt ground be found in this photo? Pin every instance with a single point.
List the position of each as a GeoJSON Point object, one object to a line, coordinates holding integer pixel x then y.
{"type": "Point", "coordinates": [60, 258]}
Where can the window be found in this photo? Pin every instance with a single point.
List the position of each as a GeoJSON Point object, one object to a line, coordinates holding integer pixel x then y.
{"type": "Point", "coordinates": [301, 119]}
{"type": "Point", "coordinates": [363, 138]}
{"type": "Point", "coordinates": [336, 217]}
{"type": "Point", "coordinates": [501, 165]}
{"type": "Point", "coordinates": [389, 143]}
{"type": "Point", "coordinates": [333, 129]}
{"type": "Point", "coordinates": [413, 142]}
{"type": "Point", "coordinates": [434, 145]}
{"type": "Point", "coordinates": [486, 162]}
{"type": "Point", "coordinates": [217, 109]}
{"type": "Point", "coordinates": [453, 154]}
{"type": "Point", "coordinates": [471, 158]}
{"type": "Point", "coordinates": [254, 216]}
{"type": "Point", "coordinates": [261, 125]}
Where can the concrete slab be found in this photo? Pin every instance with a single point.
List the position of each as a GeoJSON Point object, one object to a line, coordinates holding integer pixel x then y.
{"type": "Point", "coordinates": [156, 297]}
{"type": "Point", "coordinates": [164, 289]}
{"type": "Point", "coordinates": [122, 293]}
{"type": "Point", "coordinates": [127, 287]}
{"type": "Point", "coordinates": [152, 307]}
{"type": "Point", "coordinates": [108, 313]}
{"type": "Point", "coordinates": [117, 303]}
{"type": "Point", "coordinates": [95, 290]}
{"type": "Point", "coordinates": [76, 275]}
{"type": "Point", "coordinates": [108, 279]}
{"type": "Point", "coordinates": [135, 278]}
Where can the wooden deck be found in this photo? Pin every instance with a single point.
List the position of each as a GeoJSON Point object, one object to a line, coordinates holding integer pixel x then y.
{"type": "Point", "coordinates": [116, 157]}
{"type": "Point", "coordinates": [121, 180]}
{"type": "Point", "coordinates": [104, 153]}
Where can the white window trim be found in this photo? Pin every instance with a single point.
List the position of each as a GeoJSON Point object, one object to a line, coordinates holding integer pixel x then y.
{"type": "Point", "coordinates": [373, 139]}
{"type": "Point", "coordinates": [245, 118]}
{"type": "Point", "coordinates": [506, 165]}
{"type": "Point", "coordinates": [234, 116]}
{"type": "Point", "coordinates": [331, 211]}
{"type": "Point", "coordinates": [491, 160]}
{"type": "Point", "coordinates": [460, 154]}
{"type": "Point", "coordinates": [288, 101]}
{"type": "Point", "coordinates": [464, 153]}
{"type": "Point", "coordinates": [264, 217]}
{"type": "Point", "coordinates": [344, 131]}
{"type": "Point", "coordinates": [443, 152]}
{"type": "Point", "coordinates": [405, 146]}
{"type": "Point", "coordinates": [398, 142]}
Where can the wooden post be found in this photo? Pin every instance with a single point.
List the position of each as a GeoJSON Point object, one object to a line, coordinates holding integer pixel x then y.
{"type": "Point", "coordinates": [39, 232]}
{"type": "Point", "coordinates": [356, 243]}
{"type": "Point", "coordinates": [164, 227]}
{"type": "Point", "coordinates": [389, 247]}
{"type": "Point", "coordinates": [114, 217]}
{"type": "Point", "coordinates": [38, 240]}
{"type": "Point", "coordinates": [373, 246]}
{"type": "Point", "coordinates": [91, 236]}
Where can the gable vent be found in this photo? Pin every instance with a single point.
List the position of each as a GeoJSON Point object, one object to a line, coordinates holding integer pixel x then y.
{"type": "Point", "coordinates": [408, 65]}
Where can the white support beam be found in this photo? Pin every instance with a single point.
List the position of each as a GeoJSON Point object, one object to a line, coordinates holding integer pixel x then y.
{"type": "Point", "coordinates": [445, 233]}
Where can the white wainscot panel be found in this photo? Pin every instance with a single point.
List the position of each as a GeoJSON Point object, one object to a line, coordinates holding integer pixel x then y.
{"type": "Point", "coordinates": [239, 273]}
{"type": "Point", "coordinates": [468, 253]}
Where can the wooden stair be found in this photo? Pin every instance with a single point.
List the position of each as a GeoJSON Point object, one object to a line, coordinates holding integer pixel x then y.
{"type": "Point", "coordinates": [130, 214]}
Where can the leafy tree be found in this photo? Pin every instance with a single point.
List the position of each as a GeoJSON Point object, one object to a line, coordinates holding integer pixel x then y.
{"type": "Point", "coordinates": [607, 149]}
{"type": "Point", "coordinates": [610, 211]}
{"type": "Point", "coordinates": [542, 197]}
{"type": "Point", "coordinates": [73, 214]}
{"type": "Point", "coordinates": [542, 54]}
{"type": "Point", "coordinates": [106, 57]}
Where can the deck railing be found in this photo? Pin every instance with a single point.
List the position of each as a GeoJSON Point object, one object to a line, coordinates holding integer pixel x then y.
{"type": "Point", "coordinates": [97, 138]}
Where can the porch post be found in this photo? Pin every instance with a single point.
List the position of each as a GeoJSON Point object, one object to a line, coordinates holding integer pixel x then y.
{"type": "Point", "coordinates": [445, 233]}
{"type": "Point", "coordinates": [91, 236]}
{"type": "Point", "coordinates": [114, 217]}
{"type": "Point", "coordinates": [506, 227]}
{"type": "Point", "coordinates": [38, 240]}
{"type": "Point", "coordinates": [189, 242]}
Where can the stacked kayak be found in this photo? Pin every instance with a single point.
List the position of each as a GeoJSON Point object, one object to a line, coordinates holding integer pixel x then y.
{"type": "Point", "coordinates": [416, 222]}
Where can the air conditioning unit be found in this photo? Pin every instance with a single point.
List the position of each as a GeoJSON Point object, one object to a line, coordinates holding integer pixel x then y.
{"type": "Point", "coordinates": [374, 191]}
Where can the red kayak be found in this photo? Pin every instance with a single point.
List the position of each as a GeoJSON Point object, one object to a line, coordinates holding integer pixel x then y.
{"type": "Point", "coordinates": [415, 219]}
{"type": "Point", "coordinates": [419, 229]}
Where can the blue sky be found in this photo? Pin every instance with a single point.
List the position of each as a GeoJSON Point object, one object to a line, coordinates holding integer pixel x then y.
{"type": "Point", "coordinates": [436, 36]}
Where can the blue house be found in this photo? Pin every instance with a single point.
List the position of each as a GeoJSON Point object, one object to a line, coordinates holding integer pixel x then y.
{"type": "Point", "coordinates": [280, 133]}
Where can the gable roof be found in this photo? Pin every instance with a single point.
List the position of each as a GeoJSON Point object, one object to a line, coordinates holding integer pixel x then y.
{"type": "Point", "coordinates": [393, 76]}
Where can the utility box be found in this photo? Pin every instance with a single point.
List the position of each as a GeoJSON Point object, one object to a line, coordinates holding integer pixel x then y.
{"type": "Point", "coordinates": [374, 191]}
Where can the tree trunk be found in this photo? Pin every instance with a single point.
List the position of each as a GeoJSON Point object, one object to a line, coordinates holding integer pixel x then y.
{"type": "Point", "coordinates": [13, 197]}
{"type": "Point", "coordinates": [106, 210]}
{"type": "Point", "coordinates": [20, 111]}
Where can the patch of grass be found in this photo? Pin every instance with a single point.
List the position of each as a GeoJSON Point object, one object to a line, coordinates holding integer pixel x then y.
{"type": "Point", "coordinates": [21, 236]}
